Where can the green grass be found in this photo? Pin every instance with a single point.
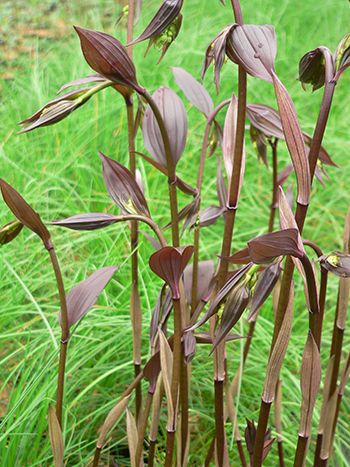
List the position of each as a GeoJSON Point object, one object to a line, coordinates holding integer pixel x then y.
{"type": "Point", "coordinates": [58, 171]}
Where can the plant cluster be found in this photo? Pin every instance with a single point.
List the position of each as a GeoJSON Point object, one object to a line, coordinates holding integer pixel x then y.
{"type": "Point", "coordinates": [197, 293]}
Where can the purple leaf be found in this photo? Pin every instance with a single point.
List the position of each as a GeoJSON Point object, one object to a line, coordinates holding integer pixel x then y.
{"type": "Point", "coordinates": [294, 140]}
{"type": "Point", "coordinates": [194, 91]}
{"type": "Point", "coordinates": [205, 275]}
{"type": "Point", "coordinates": [166, 14]}
{"type": "Point", "coordinates": [123, 188]}
{"type": "Point", "coordinates": [156, 245]}
{"type": "Point", "coordinates": [174, 115]}
{"type": "Point", "coordinates": [312, 67]}
{"type": "Point", "coordinates": [25, 213]}
{"type": "Point", "coordinates": [169, 263]}
{"type": "Point", "coordinates": [108, 56]}
{"type": "Point", "coordinates": [221, 188]}
{"type": "Point", "coordinates": [240, 257]}
{"type": "Point", "coordinates": [87, 221]}
{"type": "Point", "coordinates": [266, 119]}
{"type": "Point", "coordinates": [84, 295]}
{"type": "Point", "coordinates": [264, 286]}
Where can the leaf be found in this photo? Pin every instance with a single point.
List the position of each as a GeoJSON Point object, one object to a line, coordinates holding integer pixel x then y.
{"type": "Point", "coordinates": [194, 91]}
{"type": "Point", "coordinates": [123, 188]}
{"type": "Point", "coordinates": [310, 378]}
{"type": "Point", "coordinates": [240, 257]}
{"type": "Point", "coordinates": [56, 438]}
{"type": "Point", "coordinates": [174, 116]}
{"type": "Point", "coordinates": [294, 140]}
{"type": "Point", "coordinates": [95, 78]}
{"type": "Point", "coordinates": [267, 247]}
{"type": "Point", "coordinates": [84, 295]}
{"type": "Point", "coordinates": [312, 67]}
{"type": "Point", "coordinates": [189, 347]}
{"type": "Point", "coordinates": [132, 435]}
{"type": "Point", "coordinates": [266, 119]}
{"type": "Point", "coordinates": [208, 216]}
{"type": "Point", "coordinates": [87, 221]}
{"type": "Point", "coordinates": [111, 420]}
{"type": "Point", "coordinates": [136, 320]}
{"type": "Point", "coordinates": [166, 363]}
{"type": "Point", "coordinates": [25, 213]}
{"type": "Point", "coordinates": [168, 263]}
{"type": "Point", "coordinates": [254, 47]}
{"type": "Point", "coordinates": [264, 286]}
{"type": "Point", "coordinates": [277, 355]}
{"type": "Point", "coordinates": [237, 301]}
{"type": "Point", "coordinates": [156, 245]}
{"type": "Point", "coordinates": [108, 56]}
{"type": "Point", "coordinates": [151, 371]}
{"type": "Point", "coordinates": [165, 15]}
{"type": "Point", "coordinates": [221, 188]}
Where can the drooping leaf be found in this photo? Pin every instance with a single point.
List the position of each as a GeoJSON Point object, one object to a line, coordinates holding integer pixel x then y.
{"type": "Point", "coordinates": [10, 231]}
{"type": "Point", "coordinates": [168, 263]}
{"type": "Point", "coordinates": [240, 257]}
{"type": "Point", "coordinates": [310, 378]}
{"type": "Point", "coordinates": [24, 213]}
{"type": "Point", "coordinates": [108, 56]}
{"type": "Point", "coordinates": [56, 438]}
{"type": "Point", "coordinates": [123, 188]}
{"type": "Point", "coordinates": [264, 286]}
{"type": "Point", "coordinates": [156, 245]}
{"type": "Point", "coordinates": [87, 221]}
{"type": "Point", "coordinates": [111, 420]}
{"type": "Point", "coordinates": [165, 15]}
{"type": "Point", "coordinates": [294, 140]}
{"type": "Point", "coordinates": [266, 119]}
{"type": "Point", "coordinates": [205, 275]}
{"type": "Point", "coordinates": [236, 303]}
{"type": "Point", "coordinates": [193, 90]}
{"type": "Point", "coordinates": [254, 47]}
{"type": "Point", "coordinates": [266, 247]}
{"type": "Point", "coordinates": [174, 116]}
{"type": "Point", "coordinates": [84, 295]}
{"type": "Point", "coordinates": [312, 67]}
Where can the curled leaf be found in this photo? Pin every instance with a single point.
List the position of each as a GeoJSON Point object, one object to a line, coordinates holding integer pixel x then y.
{"type": "Point", "coordinates": [10, 231]}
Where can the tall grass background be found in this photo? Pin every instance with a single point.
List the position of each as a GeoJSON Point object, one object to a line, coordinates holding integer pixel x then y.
{"type": "Point", "coordinates": [58, 171]}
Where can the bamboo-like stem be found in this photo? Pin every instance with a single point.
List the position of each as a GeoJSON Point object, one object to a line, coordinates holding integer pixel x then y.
{"type": "Point", "coordinates": [274, 184]}
{"type": "Point", "coordinates": [170, 168]}
{"type": "Point", "coordinates": [175, 380]}
{"type": "Point", "coordinates": [280, 453]}
{"type": "Point", "coordinates": [241, 453]}
{"type": "Point", "coordinates": [300, 453]}
{"type": "Point", "coordinates": [64, 335]}
{"type": "Point", "coordinates": [143, 428]}
{"type": "Point", "coordinates": [260, 434]}
{"type": "Point", "coordinates": [151, 453]}
{"type": "Point", "coordinates": [300, 216]}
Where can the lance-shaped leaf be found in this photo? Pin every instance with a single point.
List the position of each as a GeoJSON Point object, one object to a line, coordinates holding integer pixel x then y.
{"type": "Point", "coordinates": [207, 216]}
{"type": "Point", "coordinates": [169, 264]}
{"type": "Point", "coordinates": [240, 257]}
{"type": "Point", "coordinates": [194, 91]}
{"type": "Point", "coordinates": [216, 50]}
{"type": "Point", "coordinates": [84, 295]}
{"type": "Point", "coordinates": [111, 420]}
{"type": "Point", "coordinates": [237, 301]}
{"type": "Point", "coordinates": [24, 213]}
{"type": "Point", "coordinates": [266, 119]}
{"type": "Point", "coordinates": [174, 116]}
{"type": "Point", "coordinates": [205, 275]}
{"type": "Point", "coordinates": [156, 245]}
{"type": "Point", "coordinates": [164, 299]}
{"type": "Point", "coordinates": [264, 286]}
{"type": "Point", "coordinates": [276, 357]}
{"type": "Point", "coordinates": [133, 437]}
{"type": "Point", "coordinates": [254, 47]}
{"type": "Point", "coordinates": [187, 213]}
{"type": "Point", "coordinates": [57, 109]}
{"type": "Point", "coordinates": [123, 188]}
{"type": "Point", "coordinates": [108, 56]}
{"type": "Point", "coordinates": [10, 231]}
{"type": "Point", "coordinates": [337, 263]}
{"type": "Point", "coordinates": [229, 143]}
{"type": "Point", "coordinates": [310, 378]}
{"type": "Point", "coordinates": [189, 346]}
{"type": "Point", "coordinates": [259, 143]}
{"type": "Point", "coordinates": [312, 67]}
{"type": "Point", "coordinates": [250, 435]}
{"type": "Point", "coordinates": [294, 140]}
{"type": "Point", "coordinates": [56, 438]}
{"type": "Point", "coordinates": [267, 247]}
{"type": "Point", "coordinates": [222, 295]}
{"type": "Point", "coordinates": [166, 14]}
{"type": "Point", "coordinates": [87, 221]}
{"type": "Point", "coordinates": [221, 188]}
{"type": "Point", "coordinates": [151, 371]}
